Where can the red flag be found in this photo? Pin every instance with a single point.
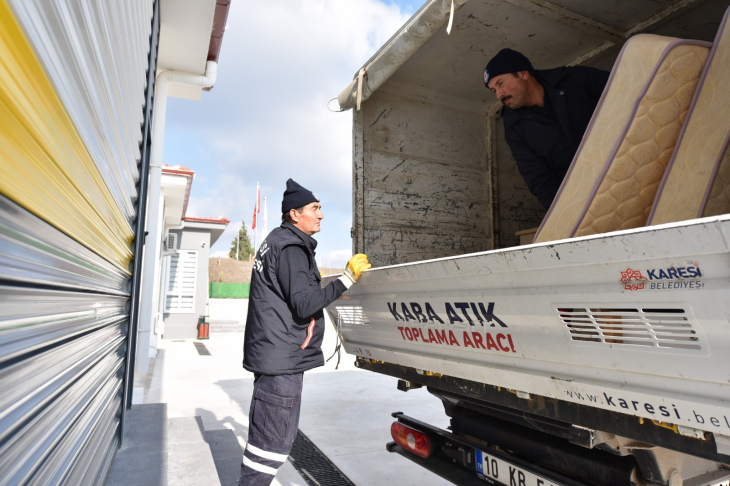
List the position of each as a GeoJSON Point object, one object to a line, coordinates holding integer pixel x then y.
{"type": "Point", "coordinates": [257, 207]}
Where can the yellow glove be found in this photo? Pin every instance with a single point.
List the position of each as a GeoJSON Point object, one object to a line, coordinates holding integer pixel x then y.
{"type": "Point", "coordinates": [355, 267]}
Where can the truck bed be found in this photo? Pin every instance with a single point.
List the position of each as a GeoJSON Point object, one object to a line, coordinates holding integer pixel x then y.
{"type": "Point", "coordinates": [635, 322]}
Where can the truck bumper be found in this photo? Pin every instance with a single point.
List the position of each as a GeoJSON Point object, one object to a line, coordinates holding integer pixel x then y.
{"type": "Point", "coordinates": [455, 459]}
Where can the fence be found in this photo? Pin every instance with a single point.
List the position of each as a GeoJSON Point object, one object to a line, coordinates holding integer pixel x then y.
{"type": "Point", "coordinates": [217, 290]}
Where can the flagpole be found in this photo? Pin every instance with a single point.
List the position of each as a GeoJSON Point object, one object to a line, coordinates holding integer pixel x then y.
{"type": "Point", "coordinates": [266, 220]}
{"type": "Point", "coordinates": [256, 210]}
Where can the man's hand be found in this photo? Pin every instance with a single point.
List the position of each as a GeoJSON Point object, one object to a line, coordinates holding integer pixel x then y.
{"type": "Point", "coordinates": [355, 267]}
{"type": "Point", "coordinates": [357, 264]}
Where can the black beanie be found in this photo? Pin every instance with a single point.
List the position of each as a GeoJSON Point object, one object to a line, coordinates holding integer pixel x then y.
{"type": "Point", "coordinates": [296, 196]}
{"type": "Point", "coordinates": [506, 61]}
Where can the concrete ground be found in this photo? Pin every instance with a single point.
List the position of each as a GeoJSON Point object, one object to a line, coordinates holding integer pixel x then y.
{"type": "Point", "coordinates": [345, 412]}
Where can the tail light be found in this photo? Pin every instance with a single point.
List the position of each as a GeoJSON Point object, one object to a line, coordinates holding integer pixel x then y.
{"type": "Point", "coordinates": [411, 440]}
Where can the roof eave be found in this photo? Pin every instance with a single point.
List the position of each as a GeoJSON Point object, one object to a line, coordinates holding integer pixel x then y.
{"type": "Point", "coordinates": [220, 17]}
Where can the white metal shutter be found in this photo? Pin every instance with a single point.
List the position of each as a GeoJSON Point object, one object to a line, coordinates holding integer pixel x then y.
{"type": "Point", "coordinates": [64, 310]}
{"type": "Point", "coordinates": [180, 295]}
{"type": "Point", "coordinates": [63, 327]}
{"type": "Point", "coordinates": [96, 54]}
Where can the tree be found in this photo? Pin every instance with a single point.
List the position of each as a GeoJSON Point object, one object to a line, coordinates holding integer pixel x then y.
{"type": "Point", "coordinates": [243, 243]}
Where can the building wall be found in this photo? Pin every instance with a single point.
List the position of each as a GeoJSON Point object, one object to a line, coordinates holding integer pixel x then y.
{"type": "Point", "coordinates": [158, 298]}
{"type": "Point", "coordinates": [184, 325]}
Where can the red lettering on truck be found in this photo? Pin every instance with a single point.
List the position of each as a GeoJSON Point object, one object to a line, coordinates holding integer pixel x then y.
{"type": "Point", "coordinates": [490, 343]}
{"type": "Point", "coordinates": [452, 339]}
{"type": "Point", "coordinates": [500, 337]}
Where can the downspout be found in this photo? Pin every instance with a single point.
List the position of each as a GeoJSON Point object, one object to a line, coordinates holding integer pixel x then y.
{"type": "Point", "coordinates": [153, 239]}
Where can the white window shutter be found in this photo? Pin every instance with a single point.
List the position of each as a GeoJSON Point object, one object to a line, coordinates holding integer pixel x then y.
{"type": "Point", "coordinates": [180, 291]}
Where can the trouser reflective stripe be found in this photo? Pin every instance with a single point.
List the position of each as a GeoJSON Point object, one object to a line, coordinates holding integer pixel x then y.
{"type": "Point", "coordinates": [272, 456]}
{"type": "Point", "coordinates": [259, 467]}
{"type": "Point", "coordinates": [273, 425]}
{"type": "Point", "coordinates": [257, 470]}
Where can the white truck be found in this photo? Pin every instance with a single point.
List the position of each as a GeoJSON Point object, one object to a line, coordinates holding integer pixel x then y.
{"type": "Point", "coordinates": [595, 359]}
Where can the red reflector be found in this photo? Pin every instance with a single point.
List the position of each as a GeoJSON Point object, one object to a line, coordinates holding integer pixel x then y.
{"type": "Point", "coordinates": [410, 439]}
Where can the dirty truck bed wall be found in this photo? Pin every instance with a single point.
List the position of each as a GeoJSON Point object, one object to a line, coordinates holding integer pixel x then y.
{"type": "Point", "coordinates": [422, 178]}
{"type": "Point", "coordinates": [425, 191]}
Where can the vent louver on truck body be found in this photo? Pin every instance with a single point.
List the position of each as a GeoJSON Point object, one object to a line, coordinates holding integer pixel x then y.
{"type": "Point", "coordinates": [652, 327]}
{"type": "Point", "coordinates": [351, 314]}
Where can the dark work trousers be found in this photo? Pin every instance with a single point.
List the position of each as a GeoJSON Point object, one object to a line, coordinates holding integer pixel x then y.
{"type": "Point", "coordinates": [273, 424]}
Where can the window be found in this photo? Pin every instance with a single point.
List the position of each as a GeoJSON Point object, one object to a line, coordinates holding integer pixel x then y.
{"type": "Point", "coordinates": [180, 292]}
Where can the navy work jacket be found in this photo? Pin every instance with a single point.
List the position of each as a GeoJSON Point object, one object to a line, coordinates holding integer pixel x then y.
{"type": "Point", "coordinates": [544, 143]}
{"type": "Point", "coordinates": [285, 329]}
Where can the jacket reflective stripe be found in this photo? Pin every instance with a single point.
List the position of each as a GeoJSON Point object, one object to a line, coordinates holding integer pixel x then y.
{"type": "Point", "coordinates": [310, 329]}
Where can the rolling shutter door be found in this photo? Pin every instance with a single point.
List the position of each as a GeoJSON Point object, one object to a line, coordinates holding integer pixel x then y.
{"type": "Point", "coordinates": [74, 112]}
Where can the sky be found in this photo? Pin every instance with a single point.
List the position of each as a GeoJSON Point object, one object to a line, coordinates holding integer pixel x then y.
{"type": "Point", "coordinates": [267, 120]}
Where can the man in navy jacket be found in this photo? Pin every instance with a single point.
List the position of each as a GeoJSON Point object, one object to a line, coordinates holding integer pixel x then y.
{"type": "Point", "coordinates": [545, 115]}
{"type": "Point", "coordinates": [285, 329]}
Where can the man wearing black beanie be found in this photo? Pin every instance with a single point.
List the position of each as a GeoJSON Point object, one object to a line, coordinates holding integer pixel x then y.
{"type": "Point", "coordinates": [545, 115]}
{"type": "Point", "coordinates": [285, 329]}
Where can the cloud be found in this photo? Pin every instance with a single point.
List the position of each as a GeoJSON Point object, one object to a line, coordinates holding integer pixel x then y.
{"type": "Point", "coordinates": [267, 120]}
{"type": "Point", "coordinates": [334, 258]}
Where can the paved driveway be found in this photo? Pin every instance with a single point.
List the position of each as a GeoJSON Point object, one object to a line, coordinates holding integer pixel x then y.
{"type": "Point", "coordinates": [345, 412]}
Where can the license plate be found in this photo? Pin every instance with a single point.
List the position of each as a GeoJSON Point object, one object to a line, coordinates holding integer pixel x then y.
{"type": "Point", "coordinates": [492, 467]}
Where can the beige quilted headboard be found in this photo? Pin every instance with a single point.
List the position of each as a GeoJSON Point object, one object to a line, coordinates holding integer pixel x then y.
{"type": "Point", "coordinates": [617, 169]}
{"type": "Point", "coordinates": [697, 182]}
{"type": "Point", "coordinates": [718, 200]}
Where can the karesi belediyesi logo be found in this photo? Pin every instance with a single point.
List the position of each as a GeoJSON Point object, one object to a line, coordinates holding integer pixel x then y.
{"type": "Point", "coordinates": [632, 279]}
{"type": "Point", "coordinates": [668, 278]}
